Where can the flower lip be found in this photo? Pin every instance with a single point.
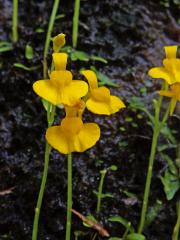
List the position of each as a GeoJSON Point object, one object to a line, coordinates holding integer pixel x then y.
{"type": "Point", "coordinates": [73, 135]}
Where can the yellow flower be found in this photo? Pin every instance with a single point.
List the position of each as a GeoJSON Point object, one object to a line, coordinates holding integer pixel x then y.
{"type": "Point", "coordinates": [73, 135]}
{"type": "Point", "coordinates": [171, 70]}
{"type": "Point", "coordinates": [61, 89]}
{"type": "Point", "coordinates": [58, 42]}
{"type": "Point", "coordinates": [100, 101]}
{"type": "Point", "coordinates": [174, 94]}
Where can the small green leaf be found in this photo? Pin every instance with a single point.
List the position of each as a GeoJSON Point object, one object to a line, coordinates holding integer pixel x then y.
{"type": "Point", "coordinates": [171, 184]}
{"type": "Point", "coordinates": [113, 168]}
{"type": "Point", "coordinates": [46, 105]}
{"type": "Point", "coordinates": [92, 218]}
{"type": "Point", "coordinates": [79, 55]}
{"type": "Point", "coordinates": [122, 129]}
{"type": "Point", "coordinates": [22, 66]}
{"type": "Point", "coordinates": [152, 213]}
{"type": "Point", "coordinates": [167, 132]}
{"type": "Point", "coordinates": [39, 30]}
{"type": "Point", "coordinates": [136, 102]}
{"type": "Point", "coordinates": [128, 119]}
{"type": "Point", "coordinates": [67, 49]}
{"type": "Point", "coordinates": [5, 46]}
{"type": "Point", "coordinates": [123, 221]}
{"type": "Point", "coordinates": [104, 195]}
{"type": "Point", "coordinates": [60, 16]}
{"type": "Point", "coordinates": [29, 52]}
{"type": "Point", "coordinates": [135, 236]}
{"type": "Point", "coordinates": [103, 79]}
{"type": "Point", "coordinates": [99, 59]}
{"type": "Point", "coordinates": [130, 194]}
{"type": "Point", "coordinates": [123, 144]}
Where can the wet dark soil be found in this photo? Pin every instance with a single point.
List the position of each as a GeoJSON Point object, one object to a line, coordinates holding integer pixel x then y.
{"type": "Point", "coordinates": [130, 35]}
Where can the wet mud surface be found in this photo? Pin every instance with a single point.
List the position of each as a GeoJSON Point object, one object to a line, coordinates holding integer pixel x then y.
{"type": "Point", "coordinates": [131, 36]}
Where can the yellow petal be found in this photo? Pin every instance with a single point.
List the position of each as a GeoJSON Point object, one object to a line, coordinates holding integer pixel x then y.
{"type": "Point", "coordinates": [173, 67]}
{"type": "Point", "coordinates": [91, 78]}
{"type": "Point", "coordinates": [170, 51]}
{"type": "Point", "coordinates": [60, 61]}
{"type": "Point", "coordinates": [58, 140]}
{"type": "Point", "coordinates": [101, 94]}
{"type": "Point", "coordinates": [104, 108]}
{"type": "Point", "coordinates": [61, 78]}
{"type": "Point", "coordinates": [46, 90]}
{"type": "Point", "coordinates": [116, 104]}
{"type": "Point", "coordinates": [58, 42]}
{"type": "Point", "coordinates": [160, 72]}
{"type": "Point", "coordinates": [175, 88]}
{"type": "Point", "coordinates": [166, 93]}
{"type": "Point", "coordinates": [87, 137]}
{"type": "Point", "coordinates": [74, 91]}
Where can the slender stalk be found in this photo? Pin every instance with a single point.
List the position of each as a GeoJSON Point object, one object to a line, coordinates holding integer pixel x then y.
{"type": "Point", "coordinates": [156, 131]}
{"type": "Point", "coordinates": [41, 192]}
{"type": "Point", "coordinates": [44, 178]}
{"type": "Point", "coordinates": [48, 36]}
{"type": "Point", "coordinates": [148, 179]}
{"type": "Point", "coordinates": [75, 23]}
{"type": "Point", "coordinates": [126, 231]}
{"type": "Point", "coordinates": [103, 174]}
{"type": "Point", "coordinates": [69, 198]}
{"type": "Point", "coordinates": [94, 237]}
{"type": "Point", "coordinates": [177, 226]}
{"type": "Point", "coordinates": [15, 21]}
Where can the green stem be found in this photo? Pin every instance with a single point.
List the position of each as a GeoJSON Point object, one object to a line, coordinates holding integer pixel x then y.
{"type": "Point", "coordinates": [177, 226]}
{"type": "Point", "coordinates": [41, 192]}
{"type": "Point", "coordinates": [15, 21]}
{"type": "Point", "coordinates": [166, 115]}
{"type": "Point", "coordinates": [44, 178]}
{"type": "Point", "coordinates": [69, 198]}
{"type": "Point", "coordinates": [48, 36]}
{"type": "Point", "coordinates": [156, 131]}
{"type": "Point", "coordinates": [94, 237]}
{"type": "Point", "coordinates": [148, 179]}
{"type": "Point", "coordinates": [75, 23]}
{"type": "Point", "coordinates": [126, 231]}
{"type": "Point", "coordinates": [103, 174]}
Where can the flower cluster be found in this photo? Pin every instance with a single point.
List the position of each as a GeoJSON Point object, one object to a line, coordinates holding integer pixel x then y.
{"type": "Point", "coordinates": [170, 72]}
{"type": "Point", "coordinates": [72, 135]}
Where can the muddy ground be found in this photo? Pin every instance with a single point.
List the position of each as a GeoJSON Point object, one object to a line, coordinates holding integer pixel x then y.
{"type": "Point", "coordinates": [130, 35]}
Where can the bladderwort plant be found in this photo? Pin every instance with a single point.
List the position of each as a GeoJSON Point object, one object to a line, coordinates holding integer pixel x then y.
{"type": "Point", "coordinates": [72, 135]}
{"type": "Point", "coordinates": [170, 73]}
{"type": "Point", "coordinates": [58, 42]}
{"type": "Point", "coordinates": [100, 194]}
{"type": "Point", "coordinates": [15, 21]}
